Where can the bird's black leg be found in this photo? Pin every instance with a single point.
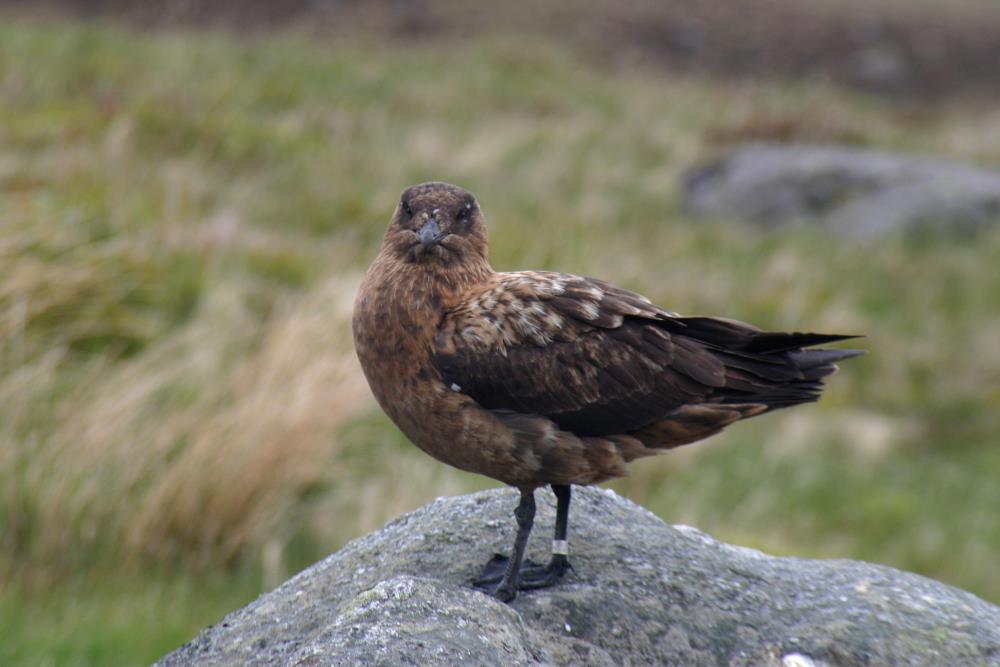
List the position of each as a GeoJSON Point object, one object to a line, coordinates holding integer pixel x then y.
{"type": "Point", "coordinates": [533, 575]}
{"type": "Point", "coordinates": [506, 589]}
{"type": "Point", "coordinates": [543, 577]}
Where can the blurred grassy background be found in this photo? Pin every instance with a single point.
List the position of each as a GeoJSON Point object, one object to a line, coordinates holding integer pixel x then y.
{"type": "Point", "coordinates": [186, 213]}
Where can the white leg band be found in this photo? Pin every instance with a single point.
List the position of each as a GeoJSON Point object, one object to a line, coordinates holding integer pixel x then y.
{"type": "Point", "coordinates": [560, 548]}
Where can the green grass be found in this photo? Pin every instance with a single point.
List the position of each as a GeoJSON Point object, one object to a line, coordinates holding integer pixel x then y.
{"type": "Point", "coordinates": [185, 217]}
{"type": "Point", "coordinates": [124, 620]}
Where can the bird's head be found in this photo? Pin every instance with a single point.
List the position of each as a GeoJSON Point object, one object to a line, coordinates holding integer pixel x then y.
{"type": "Point", "coordinates": [439, 225]}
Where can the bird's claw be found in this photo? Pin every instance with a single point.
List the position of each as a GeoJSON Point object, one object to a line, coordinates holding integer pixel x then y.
{"type": "Point", "coordinates": [533, 576]}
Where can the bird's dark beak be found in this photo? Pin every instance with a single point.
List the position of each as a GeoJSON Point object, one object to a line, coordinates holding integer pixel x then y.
{"type": "Point", "coordinates": [430, 234]}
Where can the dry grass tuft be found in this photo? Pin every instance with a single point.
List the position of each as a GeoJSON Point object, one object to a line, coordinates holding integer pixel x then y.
{"type": "Point", "coordinates": [270, 440]}
{"type": "Point", "coordinates": [195, 449]}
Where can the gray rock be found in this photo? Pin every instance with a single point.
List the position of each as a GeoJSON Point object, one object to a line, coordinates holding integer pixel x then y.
{"type": "Point", "coordinates": [643, 593]}
{"type": "Point", "coordinates": [851, 192]}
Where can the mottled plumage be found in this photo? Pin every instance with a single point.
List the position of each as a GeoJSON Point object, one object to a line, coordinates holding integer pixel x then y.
{"type": "Point", "coordinates": [536, 377]}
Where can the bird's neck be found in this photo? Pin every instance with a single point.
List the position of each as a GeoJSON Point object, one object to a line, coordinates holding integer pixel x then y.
{"type": "Point", "coordinates": [426, 287]}
{"type": "Point", "coordinates": [403, 303]}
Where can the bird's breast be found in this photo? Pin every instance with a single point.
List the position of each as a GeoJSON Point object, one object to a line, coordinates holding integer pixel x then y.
{"type": "Point", "coordinates": [396, 323]}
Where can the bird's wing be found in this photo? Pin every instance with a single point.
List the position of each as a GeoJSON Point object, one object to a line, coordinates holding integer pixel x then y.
{"type": "Point", "coordinates": [594, 358]}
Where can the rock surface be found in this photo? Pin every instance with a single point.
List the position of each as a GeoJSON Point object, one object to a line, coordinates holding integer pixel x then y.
{"type": "Point", "coordinates": [851, 192]}
{"type": "Point", "coordinates": [643, 593]}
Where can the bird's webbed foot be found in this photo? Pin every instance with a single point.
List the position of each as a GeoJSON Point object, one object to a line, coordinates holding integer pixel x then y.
{"type": "Point", "coordinates": [533, 575]}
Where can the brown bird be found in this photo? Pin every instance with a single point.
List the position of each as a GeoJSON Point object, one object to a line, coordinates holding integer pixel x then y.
{"type": "Point", "coordinates": [535, 377]}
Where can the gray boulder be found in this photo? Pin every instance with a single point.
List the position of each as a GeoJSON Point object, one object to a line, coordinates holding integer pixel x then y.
{"type": "Point", "coordinates": [643, 593]}
{"type": "Point", "coordinates": [851, 192]}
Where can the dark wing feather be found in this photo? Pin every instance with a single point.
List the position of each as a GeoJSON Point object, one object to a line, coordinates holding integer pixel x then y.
{"type": "Point", "coordinates": [599, 360]}
{"type": "Point", "coordinates": [768, 367]}
{"type": "Point", "coordinates": [580, 352]}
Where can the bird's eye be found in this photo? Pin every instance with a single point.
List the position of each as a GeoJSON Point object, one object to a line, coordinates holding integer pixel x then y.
{"type": "Point", "coordinates": [407, 211]}
{"type": "Point", "coordinates": [464, 213]}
